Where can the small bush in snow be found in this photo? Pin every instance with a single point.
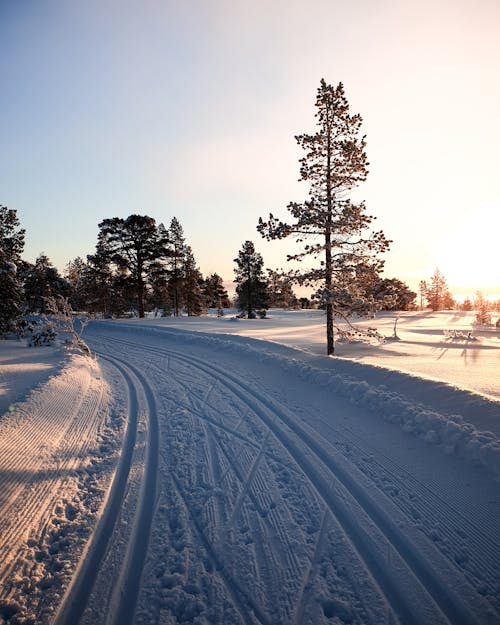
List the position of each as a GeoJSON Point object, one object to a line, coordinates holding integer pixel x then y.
{"type": "Point", "coordinates": [42, 336]}
{"type": "Point", "coordinates": [69, 325]}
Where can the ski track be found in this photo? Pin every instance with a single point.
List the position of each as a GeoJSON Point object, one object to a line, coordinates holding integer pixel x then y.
{"type": "Point", "coordinates": [135, 488]}
{"type": "Point", "coordinates": [235, 492]}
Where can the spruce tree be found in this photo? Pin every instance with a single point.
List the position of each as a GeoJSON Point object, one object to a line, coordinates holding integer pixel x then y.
{"type": "Point", "coordinates": [11, 247]}
{"type": "Point", "coordinates": [332, 229]}
{"type": "Point", "coordinates": [251, 284]}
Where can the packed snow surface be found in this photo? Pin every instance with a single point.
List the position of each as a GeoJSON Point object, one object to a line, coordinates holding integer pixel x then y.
{"type": "Point", "coordinates": [194, 474]}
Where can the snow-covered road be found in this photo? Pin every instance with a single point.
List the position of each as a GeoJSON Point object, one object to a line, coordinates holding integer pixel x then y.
{"type": "Point", "coordinates": [259, 495]}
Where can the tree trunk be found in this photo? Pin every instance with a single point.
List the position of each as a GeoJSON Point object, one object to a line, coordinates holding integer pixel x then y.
{"type": "Point", "coordinates": [249, 301]}
{"type": "Point", "coordinates": [330, 341]}
{"type": "Point", "coordinates": [330, 344]}
{"type": "Point", "coordinates": [140, 300]}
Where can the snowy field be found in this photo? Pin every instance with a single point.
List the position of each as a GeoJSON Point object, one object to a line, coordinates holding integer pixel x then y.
{"type": "Point", "coordinates": [224, 471]}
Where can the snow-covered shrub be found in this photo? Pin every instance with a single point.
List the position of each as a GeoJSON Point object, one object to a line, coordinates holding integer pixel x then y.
{"type": "Point", "coordinates": [67, 324]}
{"type": "Point", "coordinates": [45, 335]}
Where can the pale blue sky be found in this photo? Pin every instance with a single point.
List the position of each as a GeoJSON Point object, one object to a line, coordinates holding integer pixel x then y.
{"type": "Point", "coordinates": [189, 108]}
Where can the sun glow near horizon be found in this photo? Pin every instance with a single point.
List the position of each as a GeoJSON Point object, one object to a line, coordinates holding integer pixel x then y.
{"type": "Point", "coordinates": [465, 252]}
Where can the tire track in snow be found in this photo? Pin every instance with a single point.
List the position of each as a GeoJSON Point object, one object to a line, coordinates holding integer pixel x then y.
{"type": "Point", "coordinates": [128, 584]}
{"type": "Point", "coordinates": [419, 502]}
{"type": "Point", "coordinates": [242, 600]}
{"type": "Point", "coordinates": [449, 605]}
{"type": "Point", "coordinates": [248, 481]}
{"type": "Point", "coordinates": [240, 462]}
{"type": "Point", "coordinates": [301, 601]}
{"type": "Point", "coordinates": [358, 536]}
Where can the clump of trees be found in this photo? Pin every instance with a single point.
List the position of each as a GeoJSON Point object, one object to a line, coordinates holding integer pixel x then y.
{"type": "Point", "coordinates": [483, 309]}
{"type": "Point", "coordinates": [252, 288]}
{"type": "Point", "coordinates": [138, 266]}
{"type": "Point", "coordinates": [143, 266]}
{"type": "Point", "coordinates": [437, 293]}
{"type": "Point", "coordinates": [331, 228]}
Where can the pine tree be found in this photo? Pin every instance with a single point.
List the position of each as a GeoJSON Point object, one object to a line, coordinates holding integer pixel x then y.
{"type": "Point", "coordinates": [192, 283]}
{"type": "Point", "coordinates": [73, 274]}
{"type": "Point", "coordinates": [11, 247]}
{"type": "Point", "coordinates": [437, 293]}
{"type": "Point", "coordinates": [43, 281]}
{"type": "Point", "coordinates": [133, 245]}
{"type": "Point", "coordinates": [281, 293]}
{"type": "Point", "coordinates": [214, 292]}
{"type": "Point", "coordinates": [394, 294]}
{"type": "Point", "coordinates": [482, 308]}
{"type": "Point", "coordinates": [334, 164]}
{"type": "Point", "coordinates": [97, 284]}
{"type": "Point", "coordinates": [251, 285]}
{"type": "Point", "coordinates": [175, 261]}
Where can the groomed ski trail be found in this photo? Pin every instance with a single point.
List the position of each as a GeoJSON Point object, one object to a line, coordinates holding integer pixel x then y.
{"type": "Point", "coordinates": [408, 578]}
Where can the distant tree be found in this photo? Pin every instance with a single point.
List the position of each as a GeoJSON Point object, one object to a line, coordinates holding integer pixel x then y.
{"type": "Point", "coordinates": [437, 293]}
{"type": "Point", "coordinates": [74, 272]}
{"type": "Point", "coordinates": [393, 294]}
{"type": "Point", "coordinates": [11, 247]}
{"type": "Point", "coordinates": [159, 297]}
{"type": "Point", "coordinates": [97, 283]}
{"type": "Point", "coordinates": [334, 163]}
{"type": "Point", "coordinates": [175, 263]}
{"type": "Point", "coordinates": [422, 290]}
{"type": "Point", "coordinates": [482, 308]}
{"type": "Point", "coordinates": [281, 293]}
{"type": "Point", "coordinates": [449, 302]}
{"type": "Point", "coordinates": [251, 284]}
{"type": "Point", "coordinates": [191, 287]}
{"type": "Point", "coordinates": [214, 292]}
{"type": "Point", "coordinates": [305, 303]}
{"type": "Point", "coordinates": [466, 304]}
{"type": "Point", "coordinates": [43, 281]}
{"type": "Point", "coordinates": [133, 245]}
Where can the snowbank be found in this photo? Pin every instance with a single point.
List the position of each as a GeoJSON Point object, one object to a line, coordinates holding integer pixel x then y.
{"type": "Point", "coordinates": [452, 431]}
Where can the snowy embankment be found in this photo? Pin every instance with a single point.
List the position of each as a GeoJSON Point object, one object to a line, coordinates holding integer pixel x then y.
{"type": "Point", "coordinates": [257, 484]}
{"type": "Point", "coordinates": [52, 446]}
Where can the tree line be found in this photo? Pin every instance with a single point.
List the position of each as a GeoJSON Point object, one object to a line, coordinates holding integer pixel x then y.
{"type": "Point", "coordinates": [142, 266]}
{"type": "Point", "coordinates": [137, 266]}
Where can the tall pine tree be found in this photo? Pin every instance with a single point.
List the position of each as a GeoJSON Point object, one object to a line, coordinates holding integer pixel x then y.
{"type": "Point", "coordinates": [192, 282]}
{"type": "Point", "coordinates": [175, 263]}
{"type": "Point", "coordinates": [133, 245]}
{"type": "Point", "coordinates": [11, 247]}
{"type": "Point", "coordinates": [331, 227]}
{"type": "Point", "coordinates": [251, 284]}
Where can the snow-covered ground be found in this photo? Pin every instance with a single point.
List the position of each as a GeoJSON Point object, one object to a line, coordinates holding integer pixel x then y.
{"type": "Point", "coordinates": [259, 482]}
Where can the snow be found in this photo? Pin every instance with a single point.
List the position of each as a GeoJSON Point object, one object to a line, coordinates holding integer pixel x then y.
{"type": "Point", "coordinates": [21, 370]}
{"type": "Point", "coordinates": [206, 470]}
